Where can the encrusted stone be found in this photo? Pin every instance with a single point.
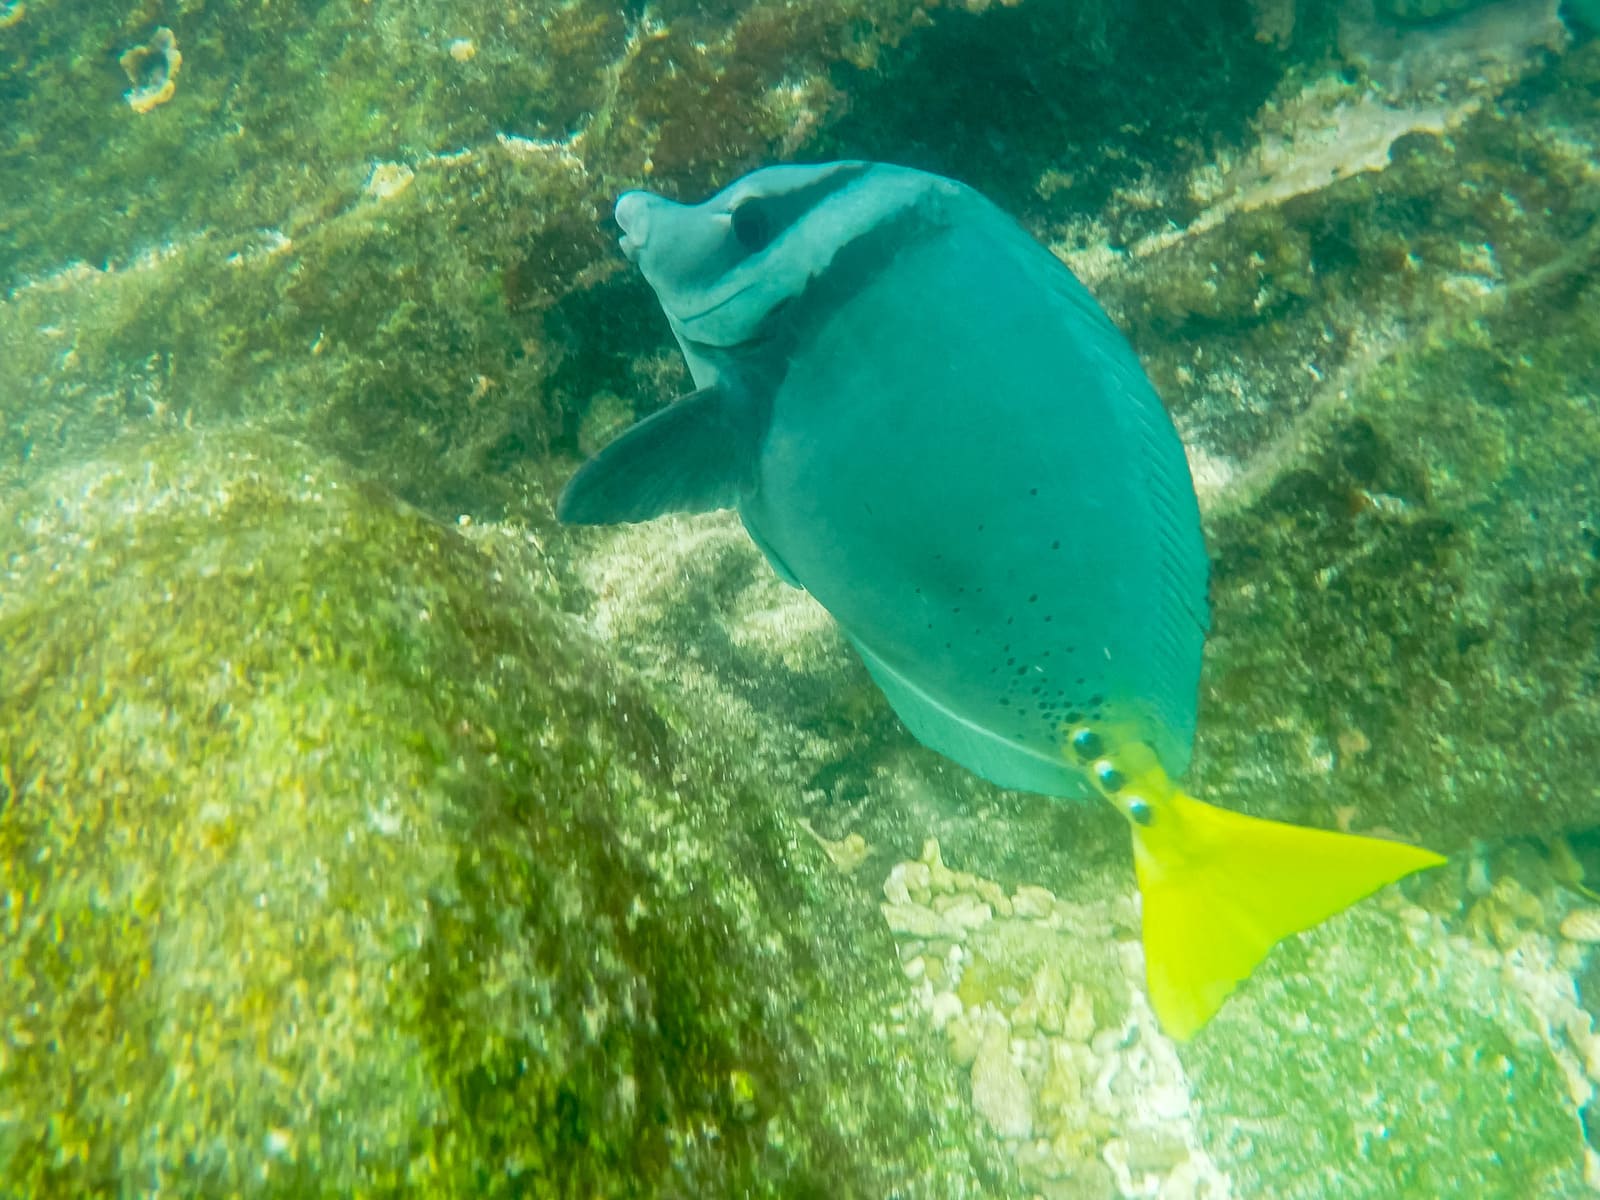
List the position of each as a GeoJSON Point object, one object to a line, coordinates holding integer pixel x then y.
{"type": "Point", "coordinates": [1582, 925]}
{"type": "Point", "coordinates": [914, 920]}
{"type": "Point", "coordinates": [1031, 902]}
{"type": "Point", "coordinates": [999, 1092]}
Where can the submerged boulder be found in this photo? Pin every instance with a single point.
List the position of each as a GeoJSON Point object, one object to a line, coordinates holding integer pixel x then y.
{"type": "Point", "coordinates": [334, 860]}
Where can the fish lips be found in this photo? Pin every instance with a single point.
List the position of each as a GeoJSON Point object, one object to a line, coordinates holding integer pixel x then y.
{"type": "Point", "coordinates": [632, 215]}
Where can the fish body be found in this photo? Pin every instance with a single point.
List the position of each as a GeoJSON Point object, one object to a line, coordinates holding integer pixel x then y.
{"type": "Point", "coordinates": [925, 420]}
{"type": "Point", "coordinates": [988, 496]}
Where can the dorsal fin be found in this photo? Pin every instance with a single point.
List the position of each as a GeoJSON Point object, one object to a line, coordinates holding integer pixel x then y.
{"type": "Point", "coordinates": [695, 455]}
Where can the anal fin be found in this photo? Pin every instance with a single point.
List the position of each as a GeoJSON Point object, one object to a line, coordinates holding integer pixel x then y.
{"type": "Point", "coordinates": [774, 559]}
{"type": "Point", "coordinates": [982, 751]}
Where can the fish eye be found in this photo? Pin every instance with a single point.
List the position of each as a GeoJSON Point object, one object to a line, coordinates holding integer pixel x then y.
{"type": "Point", "coordinates": [1086, 743]}
{"type": "Point", "coordinates": [752, 226]}
{"type": "Point", "coordinates": [1109, 778]}
{"type": "Point", "coordinates": [1139, 811]}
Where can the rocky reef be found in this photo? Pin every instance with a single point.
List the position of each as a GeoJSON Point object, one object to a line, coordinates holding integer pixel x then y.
{"type": "Point", "coordinates": [363, 832]}
{"type": "Point", "coordinates": [338, 862]}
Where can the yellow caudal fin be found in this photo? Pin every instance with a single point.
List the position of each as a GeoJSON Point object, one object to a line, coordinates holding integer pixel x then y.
{"type": "Point", "coordinates": [1221, 889]}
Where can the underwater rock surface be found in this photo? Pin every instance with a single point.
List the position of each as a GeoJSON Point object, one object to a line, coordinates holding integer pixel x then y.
{"type": "Point", "coordinates": [1370, 307]}
{"type": "Point", "coordinates": [1328, 1074]}
{"type": "Point", "coordinates": [334, 861]}
{"type": "Point", "coordinates": [1393, 419]}
{"type": "Point", "coordinates": [1354, 245]}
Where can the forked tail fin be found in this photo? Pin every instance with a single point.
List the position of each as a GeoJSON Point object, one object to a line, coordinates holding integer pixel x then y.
{"type": "Point", "coordinates": [1221, 889]}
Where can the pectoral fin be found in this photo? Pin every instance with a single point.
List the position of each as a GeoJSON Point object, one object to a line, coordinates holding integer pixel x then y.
{"type": "Point", "coordinates": [696, 455]}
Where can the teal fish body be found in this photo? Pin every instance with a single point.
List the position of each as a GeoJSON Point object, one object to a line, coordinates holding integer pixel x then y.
{"type": "Point", "coordinates": [925, 420]}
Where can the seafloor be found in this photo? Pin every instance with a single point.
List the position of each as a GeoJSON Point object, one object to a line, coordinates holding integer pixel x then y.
{"type": "Point", "coordinates": [362, 833]}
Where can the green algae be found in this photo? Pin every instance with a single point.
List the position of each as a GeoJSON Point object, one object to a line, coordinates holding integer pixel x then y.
{"type": "Point", "coordinates": [88, 178]}
{"type": "Point", "coordinates": [383, 330]}
{"type": "Point", "coordinates": [689, 93]}
{"type": "Point", "coordinates": [1427, 1077]}
{"type": "Point", "coordinates": [1395, 374]}
{"type": "Point", "coordinates": [223, 255]}
{"type": "Point", "coordinates": [1097, 93]}
{"type": "Point", "coordinates": [1405, 571]}
{"type": "Point", "coordinates": [1412, 600]}
{"type": "Point", "coordinates": [334, 865]}
{"type": "Point", "coordinates": [1341, 276]}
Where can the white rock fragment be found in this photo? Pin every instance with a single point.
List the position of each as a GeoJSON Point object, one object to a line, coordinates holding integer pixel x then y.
{"type": "Point", "coordinates": [941, 879]}
{"type": "Point", "coordinates": [964, 912]}
{"type": "Point", "coordinates": [388, 179]}
{"type": "Point", "coordinates": [1062, 1088]}
{"type": "Point", "coordinates": [1045, 1005]}
{"type": "Point", "coordinates": [1570, 957]}
{"type": "Point", "coordinates": [1078, 1024]}
{"type": "Point", "coordinates": [966, 1035]}
{"type": "Point", "coordinates": [945, 1008]}
{"type": "Point", "coordinates": [1032, 903]}
{"type": "Point", "coordinates": [1107, 1042]}
{"type": "Point", "coordinates": [999, 1092]}
{"type": "Point", "coordinates": [1153, 1149]}
{"type": "Point", "coordinates": [1182, 1184]}
{"type": "Point", "coordinates": [1582, 925]}
{"type": "Point", "coordinates": [529, 148]}
{"type": "Point", "coordinates": [995, 897]}
{"type": "Point", "coordinates": [895, 889]}
{"type": "Point", "coordinates": [914, 920]}
{"type": "Point", "coordinates": [914, 876]}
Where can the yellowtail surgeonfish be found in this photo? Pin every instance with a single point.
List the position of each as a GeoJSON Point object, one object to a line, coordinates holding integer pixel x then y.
{"type": "Point", "coordinates": [927, 422]}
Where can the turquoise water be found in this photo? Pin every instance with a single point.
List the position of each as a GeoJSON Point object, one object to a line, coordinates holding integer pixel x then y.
{"type": "Point", "coordinates": [366, 833]}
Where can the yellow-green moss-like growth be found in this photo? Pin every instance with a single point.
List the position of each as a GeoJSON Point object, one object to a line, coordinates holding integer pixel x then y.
{"type": "Point", "coordinates": [1426, 1077]}
{"type": "Point", "coordinates": [330, 864]}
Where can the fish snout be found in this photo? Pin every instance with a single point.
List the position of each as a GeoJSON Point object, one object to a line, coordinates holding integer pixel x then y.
{"type": "Point", "coordinates": [632, 215]}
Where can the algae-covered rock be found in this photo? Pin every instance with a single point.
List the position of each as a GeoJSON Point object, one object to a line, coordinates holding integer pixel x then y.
{"type": "Point", "coordinates": [335, 861]}
{"type": "Point", "coordinates": [435, 298]}
{"type": "Point", "coordinates": [1380, 1056]}
{"type": "Point", "coordinates": [1429, 1076]}
{"type": "Point", "coordinates": [394, 328]}
{"type": "Point", "coordinates": [1354, 245]}
{"type": "Point", "coordinates": [1397, 471]}
{"type": "Point", "coordinates": [1406, 616]}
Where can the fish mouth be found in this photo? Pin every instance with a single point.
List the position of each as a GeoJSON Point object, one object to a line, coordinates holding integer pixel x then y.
{"type": "Point", "coordinates": [629, 214]}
